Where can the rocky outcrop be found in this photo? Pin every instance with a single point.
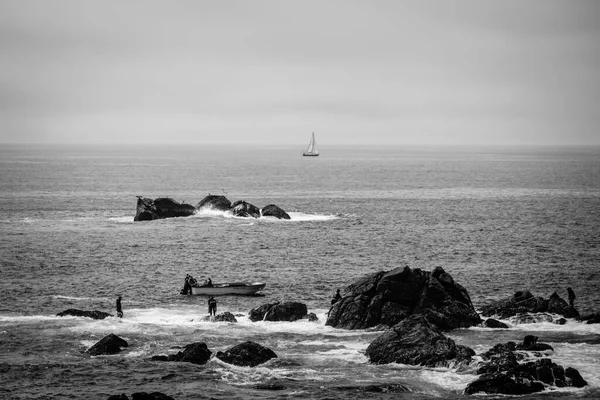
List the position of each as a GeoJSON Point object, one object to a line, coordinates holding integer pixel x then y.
{"type": "Point", "coordinates": [81, 313]}
{"type": "Point", "coordinates": [495, 324]}
{"type": "Point", "coordinates": [591, 318]}
{"type": "Point", "coordinates": [505, 370]}
{"type": "Point", "coordinates": [247, 354]}
{"type": "Point", "coordinates": [288, 311]}
{"type": "Point", "coordinates": [386, 298]}
{"type": "Point", "coordinates": [416, 341]}
{"type": "Point", "coordinates": [215, 202]}
{"type": "Point", "coordinates": [195, 353]}
{"type": "Point", "coordinates": [223, 317]}
{"type": "Point", "coordinates": [243, 209]}
{"type": "Point", "coordinates": [148, 209]}
{"type": "Point", "coordinates": [163, 207]}
{"type": "Point", "coordinates": [110, 344]}
{"type": "Point", "coordinates": [525, 302]}
{"type": "Point", "coordinates": [272, 210]}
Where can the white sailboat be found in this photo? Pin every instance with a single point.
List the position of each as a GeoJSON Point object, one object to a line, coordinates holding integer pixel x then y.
{"type": "Point", "coordinates": [312, 147]}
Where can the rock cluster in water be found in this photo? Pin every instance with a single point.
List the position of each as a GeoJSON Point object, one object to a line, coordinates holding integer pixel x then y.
{"type": "Point", "coordinates": [387, 298]}
{"type": "Point", "coordinates": [82, 313]}
{"type": "Point", "coordinates": [524, 302]}
{"type": "Point", "coordinates": [110, 344]}
{"type": "Point", "coordinates": [164, 207]}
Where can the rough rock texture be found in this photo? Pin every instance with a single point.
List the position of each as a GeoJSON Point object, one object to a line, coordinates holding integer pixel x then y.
{"type": "Point", "coordinates": [312, 317]}
{"type": "Point", "coordinates": [416, 341]}
{"type": "Point", "coordinates": [110, 344]}
{"type": "Point", "coordinates": [525, 302]}
{"type": "Point", "coordinates": [81, 313]}
{"type": "Point", "coordinates": [386, 298]}
{"type": "Point", "coordinates": [274, 211]}
{"type": "Point", "coordinates": [492, 323]}
{"type": "Point", "coordinates": [247, 354]}
{"type": "Point", "coordinates": [288, 311]}
{"type": "Point", "coordinates": [164, 207]}
{"type": "Point", "coordinates": [506, 370]}
{"type": "Point", "coordinates": [223, 317]}
{"type": "Point", "coordinates": [214, 201]}
{"type": "Point", "coordinates": [243, 209]}
{"type": "Point", "coordinates": [195, 353]}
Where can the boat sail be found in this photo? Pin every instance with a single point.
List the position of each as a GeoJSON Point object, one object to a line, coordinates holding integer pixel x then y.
{"type": "Point", "coordinates": [312, 147]}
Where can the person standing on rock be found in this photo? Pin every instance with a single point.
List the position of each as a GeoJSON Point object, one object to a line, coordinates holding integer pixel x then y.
{"type": "Point", "coordinates": [119, 309]}
{"type": "Point", "coordinates": [212, 306]}
{"type": "Point", "coordinates": [571, 296]}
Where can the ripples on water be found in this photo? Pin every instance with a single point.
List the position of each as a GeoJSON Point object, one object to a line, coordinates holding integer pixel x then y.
{"type": "Point", "coordinates": [498, 222]}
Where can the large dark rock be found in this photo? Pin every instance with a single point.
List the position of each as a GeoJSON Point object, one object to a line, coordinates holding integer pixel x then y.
{"type": "Point", "coordinates": [247, 354]}
{"type": "Point", "coordinates": [164, 207]}
{"type": "Point", "coordinates": [506, 370]}
{"type": "Point", "coordinates": [495, 324]}
{"type": "Point", "coordinates": [110, 344]}
{"type": "Point", "coordinates": [386, 298]}
{"type": "Point", "coordinates": [195, 353]}
{"type": "Point", "coordinates": [591, 318]}
{"type": "Point", "coordinates": [81, 313]}
{"type": "Point", "coordinates": [214, 201]}
{"type": "Point", "coordinates": [525, 302]}
{"type": "Point", "coordinates": [243, 209]}
{"type": "Point", "coordinates": [288, 311]}
{"type": "Point", "coordinates": [274, 211]}
{"type": "Point", "coordinates": [416, 341]}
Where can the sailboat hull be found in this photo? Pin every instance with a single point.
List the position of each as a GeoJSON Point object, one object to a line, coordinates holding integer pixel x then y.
{"type": "Point", "coordinates": [305, 154]}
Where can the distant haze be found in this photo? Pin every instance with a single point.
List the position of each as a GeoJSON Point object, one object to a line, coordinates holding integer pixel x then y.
{"type": "Point", "coordinates": [271, 72]}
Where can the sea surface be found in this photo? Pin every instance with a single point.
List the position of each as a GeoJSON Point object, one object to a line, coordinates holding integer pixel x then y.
{"type": "Point", "coordinates": [499, 220]}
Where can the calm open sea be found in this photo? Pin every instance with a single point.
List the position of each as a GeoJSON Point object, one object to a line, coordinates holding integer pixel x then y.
{"type": "Point", "coordinates": [498, 220]}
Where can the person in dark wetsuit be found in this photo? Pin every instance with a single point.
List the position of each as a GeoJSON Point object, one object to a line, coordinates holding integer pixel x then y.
{"type": "Point", "coordinates": [336, 298]}
{"type": "Point", "coordinates": [187, 288]}
{"type": "Point", "coordinates": [212, 306]}
{"type": "Point", "coordinates": [571, 296]}
{"type": "Point", "coordinates": [119, 309]}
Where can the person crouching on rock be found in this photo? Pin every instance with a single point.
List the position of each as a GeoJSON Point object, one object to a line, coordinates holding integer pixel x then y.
{"type": "Point", "coordinates": [212, 306]}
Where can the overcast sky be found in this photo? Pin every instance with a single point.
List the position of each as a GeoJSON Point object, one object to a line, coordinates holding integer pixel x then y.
{"type": "Point", "coordinates": [272, 72]}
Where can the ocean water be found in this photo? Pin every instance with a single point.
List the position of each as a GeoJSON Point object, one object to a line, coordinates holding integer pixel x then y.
{"type": "Point", "coordinates": [498, 220]}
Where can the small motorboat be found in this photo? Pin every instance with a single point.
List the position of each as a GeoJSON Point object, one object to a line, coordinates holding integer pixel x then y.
{"type": "Point", "coordinates": [216, 289]}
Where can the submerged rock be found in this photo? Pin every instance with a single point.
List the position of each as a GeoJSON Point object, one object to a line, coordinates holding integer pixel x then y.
{"type": "Point", "coordinates": [195, 353]}
{"type": "Point", "coordinates": [386, 298]}
{"type": "Point", "coordinates": [110, 344]}
{"type": "Point", "coordinates": [495, 324]}
{"type": "Point", "coordinates": [81, 313]}
{"type": "Point", "coordinates": [247, 354]}
{"type": "Point", "coordinates": [288, 311]}
{"type": "Point", "coordinates": [416, 341]}
{"type": "Point", "coordinates": [163, 207]}
{"type": "Point", "coordinates": [524, 302]}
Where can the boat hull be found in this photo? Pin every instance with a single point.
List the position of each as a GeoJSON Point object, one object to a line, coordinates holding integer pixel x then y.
{"type": "Point", "coordinates": [240, 288]}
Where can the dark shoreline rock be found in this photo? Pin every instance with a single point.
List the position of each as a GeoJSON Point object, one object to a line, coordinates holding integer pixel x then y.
{"type": "Point", "coordinates": [162, 207]}
{"type": "Point", "coordinates": [288, 311]}
{"type": "Point", "coordinates": [82, 313]}
{"type": "Point", "coordinates": [416, 341]}
{"type": "Point", "coordinates": [247, 354]}
{"type": "Point", "coordinates": [195, 353]}
{"type": "Point", "coordinates": [524, 302]}
{"type": "Point", "coordinates": [110, 344]}
{"type": "Point", "coordinates": [388, 297]}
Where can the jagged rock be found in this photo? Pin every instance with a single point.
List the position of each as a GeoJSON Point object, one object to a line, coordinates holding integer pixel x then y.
{"type": "Point", "coordinates": [274, 211]}
{"type": "Point", "coordinates": [110, 344]}
{"type": "Point", "coordinates": [416, 341]}
{"type": "Point", "coordinates": [81, 313]}
{"type": "Point", "coordinates": [223, 317]}
{"type": "Point", "coordinates": [195, 353]}
{"type": "Point", "coordinates": [247, 354]}
{"type": "Point", "coordinates": [524, 302]}
{"type": "Point", "coordinates": [591, 318]}
{"type": "Point", "coordinates": [288, 311]}
{"type": "Point", "coordinates": [386, 298]}
{"type": "Point", "coordinates": [243, 209]}
{"type": "Point", "coordinates": [163, 207]}
{"type": "Point", "coordinates": [493, 323]}
{"type": "Point", "coordinates": [214, 201]}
